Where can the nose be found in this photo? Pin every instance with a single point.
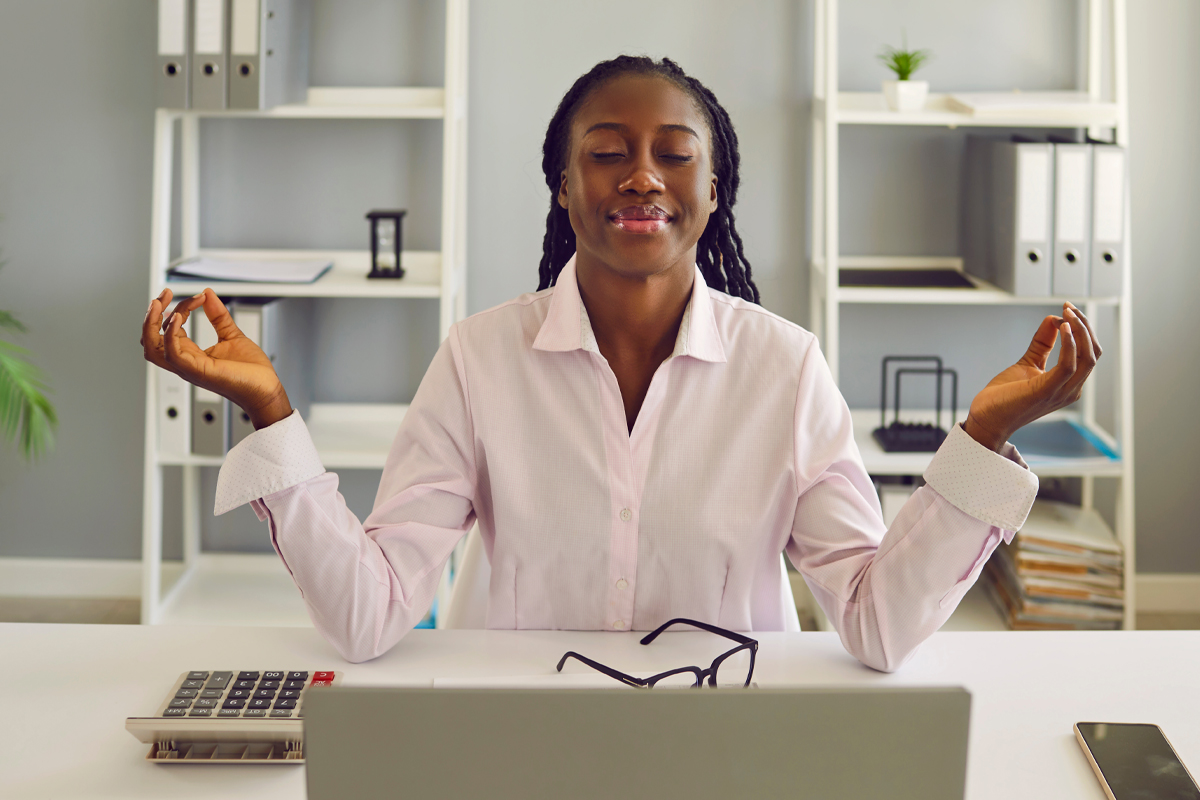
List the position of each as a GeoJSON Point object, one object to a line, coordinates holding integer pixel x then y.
{"type": "Point", "coordinates": [642, 177]}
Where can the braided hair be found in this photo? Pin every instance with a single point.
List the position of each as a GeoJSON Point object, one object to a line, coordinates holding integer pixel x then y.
{"type": "Point", "coordinates": [719, 252]}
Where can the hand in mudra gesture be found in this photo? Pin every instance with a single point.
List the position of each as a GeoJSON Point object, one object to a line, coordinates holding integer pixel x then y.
{"type": "Point", "coordinates": [1027, 390]}
{"type": "Point", "coordinates": [235, 367]}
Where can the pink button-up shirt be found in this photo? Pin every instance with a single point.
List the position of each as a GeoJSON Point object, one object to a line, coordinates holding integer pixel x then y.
{"type": "Point", "coordinates": [742, 449]}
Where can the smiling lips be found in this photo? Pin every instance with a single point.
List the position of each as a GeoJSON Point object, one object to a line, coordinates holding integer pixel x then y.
{"type": "Point", "coordinates": [641, 219]}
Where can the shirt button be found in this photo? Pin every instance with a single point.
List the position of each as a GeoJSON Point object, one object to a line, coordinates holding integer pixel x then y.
{"type": "Point", "coordinates": [626, 514]}
{"type": "Point", "coordinates": [621, 584]}
{"type": "Point", "coordinates": [619, 624]}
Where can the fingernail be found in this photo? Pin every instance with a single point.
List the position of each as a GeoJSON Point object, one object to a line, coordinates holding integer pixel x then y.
{"type": "Point", "coordinates": [198, 296]}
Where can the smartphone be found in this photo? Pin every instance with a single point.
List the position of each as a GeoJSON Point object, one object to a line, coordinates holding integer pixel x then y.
{"type": "Point", "coordinates": [1135, 762]}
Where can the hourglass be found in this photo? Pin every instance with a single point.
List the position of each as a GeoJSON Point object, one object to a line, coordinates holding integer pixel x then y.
{"type": "Point", "coordinates": [385, 244]}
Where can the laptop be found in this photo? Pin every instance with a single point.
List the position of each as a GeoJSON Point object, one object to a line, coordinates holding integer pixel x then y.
{"type": "Point", "coordinates": [661, 743]}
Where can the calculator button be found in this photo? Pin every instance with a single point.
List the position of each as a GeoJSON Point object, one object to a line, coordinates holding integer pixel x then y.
{"type": "Point", "coordinates": [211, 693]}
{"type": "Point", "coordinates": [187, 693]}
{"type": "Point", "coordinates": [297, 676]}
{"type": "Point", "coordinates": [219, 680]}
{"type": "Point", "coordinates": [200, 712]}
{"type": "Point", "coordinates": [266, 684]}
{"type": "Point", "coordinates": [206, 702]}
{"type": "Point", "coordinates": [289, 694]}
{"type": "Point", "coordinates": [323, 676]}
{"type": "Point", "coordinates": [293, 684]}
{"type": "Point", "coordinates": [285, 704]}
{"type": "Point", "coordinates": [280, 712]}
{"type": "Point", "coordinates": [192, 685]}
{"type": "Point", "coordinates": [197, 676]}
{"type": "Point", "coordinates": [272, 676]}
{"type": "Point", "coordinates": [175, 712]}
{"type": "Point", "coordinates": [267, 693]}
{"type": "Point", "coordinates": [228, 712]}
{"type": "Point", "coordinates": [180, 702]}
{"type": "Point", "coordinates": [259, 703]}
{"type": "Point", "coordinates": [247, 676]}
{"type": "Point", "coordinates": [243, 684]}
{"type": "Point", "coordinates": [239, 694]}
{"type": "Point", "coordinates": [255, 712]}
{"type": "Point", "coordinates": [321, 683]}
{"type": "Point", "coordinates": [234, 704]}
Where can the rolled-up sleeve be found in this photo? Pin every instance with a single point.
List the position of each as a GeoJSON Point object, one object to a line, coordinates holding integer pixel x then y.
{"type": "Point", "coordinates": [888, 589]}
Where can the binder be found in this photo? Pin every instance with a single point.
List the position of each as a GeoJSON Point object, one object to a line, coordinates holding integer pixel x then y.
{"type": "Point", "coordinates": [256, 318]}
{"type": "Point", "coordinates": [268, 47]}
{"type": "Point", "coordinates": [210, 411]}
{"type": "Point", "coordinates": [1072, 219]}
{"type": "Point", "coordinates": [174, 415]}
{"type": "Point", "coordinates": [1008, 214]}
{"type": "Point", "coordinates": [1108, 220]}
{"type": "Point", "coordinates": [210, 54]}
{"type": "Point", "coordinates": [171, 84]}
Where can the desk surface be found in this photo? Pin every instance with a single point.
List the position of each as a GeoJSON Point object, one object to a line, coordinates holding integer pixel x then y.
{"type": "Point", "coordinates": [67, 690]}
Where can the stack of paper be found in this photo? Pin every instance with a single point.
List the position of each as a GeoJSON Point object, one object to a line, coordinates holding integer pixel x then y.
{"type": "Point", "coordinates": [1024, 104]}
{"type": "Point", "coordinates": [277, 270]}
{"type": "Point", "coordinates": [1063, 570]}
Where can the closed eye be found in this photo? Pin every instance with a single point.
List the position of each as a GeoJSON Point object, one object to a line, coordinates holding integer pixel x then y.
{"type": "Point", "coordinates": [606, 156]}
{"type": "Point", "coordinates": [679, 158]}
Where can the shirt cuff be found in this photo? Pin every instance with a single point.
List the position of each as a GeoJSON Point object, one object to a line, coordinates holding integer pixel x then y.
{"type": "Point", "coordinates": [997, 488]}
{"type": "Point", "coordinates": [269, 460]}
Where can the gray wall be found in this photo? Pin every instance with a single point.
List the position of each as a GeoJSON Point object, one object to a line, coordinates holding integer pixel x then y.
{"type": "Point", "coordinates": [75, 140]}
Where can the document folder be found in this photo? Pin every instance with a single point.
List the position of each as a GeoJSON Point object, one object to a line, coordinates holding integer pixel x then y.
{"type": "Point", "coordinates": [174, 415]}
{"type": "Point", "coordinates": [255, 317]}
{"type": "Point", "coordinates": [268, 45]}
{"type": "Point", "coordinates": [173, 63]}
{"type": "Point", "coordinates": [1008, 214]}
{"type": "Point", "coordinates": [1108, 220]}
{"type": "Point", "coordinates": [210, 54]}
{"type": "Point", "coordinates": [210, 411]}
{"type": "Point", "coordinates": [1072, 219]}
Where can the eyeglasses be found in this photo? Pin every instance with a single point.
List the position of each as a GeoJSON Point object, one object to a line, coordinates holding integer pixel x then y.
{"type": "Point", "coordinates": [732, 668]}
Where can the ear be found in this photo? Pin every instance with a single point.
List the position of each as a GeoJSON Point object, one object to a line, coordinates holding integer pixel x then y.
{"type": "Point", "coordinates": [562, 190]}
{"type": "Point", "coordinates": [712, 197]}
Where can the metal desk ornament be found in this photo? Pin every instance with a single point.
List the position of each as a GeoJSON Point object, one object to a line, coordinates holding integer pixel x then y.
{"type": "Point", "coordinates": [914, 437]}
{"type": "Point", "coordinates": [386, 239]}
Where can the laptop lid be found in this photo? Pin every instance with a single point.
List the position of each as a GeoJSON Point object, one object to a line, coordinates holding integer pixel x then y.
{"type": "Point", "coordinates": [464, 743]}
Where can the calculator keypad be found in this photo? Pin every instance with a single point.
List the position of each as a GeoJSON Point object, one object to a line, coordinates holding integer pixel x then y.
{"type": "Point", "coordinates": [243, 693]}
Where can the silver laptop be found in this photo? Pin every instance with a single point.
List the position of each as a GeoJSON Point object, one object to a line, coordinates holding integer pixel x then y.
{"type": "Point", "coordinates": [660, 743]}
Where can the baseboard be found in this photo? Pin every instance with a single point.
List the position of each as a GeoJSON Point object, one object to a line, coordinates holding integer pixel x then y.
{"type": "Point", "coordinates": [1162, 592]}
{"type": "Point", "coordinates": [75, 577]}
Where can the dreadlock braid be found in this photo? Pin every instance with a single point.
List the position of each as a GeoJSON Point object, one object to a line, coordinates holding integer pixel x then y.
{"type": "Point", "coordinates": [719, 253]}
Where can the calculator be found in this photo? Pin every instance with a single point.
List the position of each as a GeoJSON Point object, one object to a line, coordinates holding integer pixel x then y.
{"type": "Point", "coordinates": [227, 716]}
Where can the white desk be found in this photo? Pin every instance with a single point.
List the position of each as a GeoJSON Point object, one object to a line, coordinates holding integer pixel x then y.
{"type": "Point", "coordinates": [66, 689]}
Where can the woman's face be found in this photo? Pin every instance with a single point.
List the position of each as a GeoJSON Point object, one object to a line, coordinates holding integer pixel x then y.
{"type": "Point", "coordinates": [639, 184]}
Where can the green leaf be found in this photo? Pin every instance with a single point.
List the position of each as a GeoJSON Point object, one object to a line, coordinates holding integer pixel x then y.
{"type": "Point", "coordinates": [25, 413]}
{"type": "Point", "coordinates": [903, 62]}
{"type": "Point", "coordinates": [9, 320]}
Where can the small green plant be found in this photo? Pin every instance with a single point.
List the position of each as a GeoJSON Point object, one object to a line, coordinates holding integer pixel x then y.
{"type": "Point", "coordinates": [25, 413]}
{"type": "Point", "coordinates": [903, 62]}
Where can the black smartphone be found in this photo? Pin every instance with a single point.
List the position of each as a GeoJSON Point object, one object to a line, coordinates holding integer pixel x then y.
{"type": "Point", "coordinates": [1135, 762]}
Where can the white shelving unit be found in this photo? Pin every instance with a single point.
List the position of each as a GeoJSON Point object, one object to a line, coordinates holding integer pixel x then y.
{"type": "Point", "coordinates": [833, 109]}
{"type": "Point", "coordinates": [256, 590]}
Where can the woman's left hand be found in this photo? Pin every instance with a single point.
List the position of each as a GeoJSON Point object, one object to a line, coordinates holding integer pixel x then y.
{"type": "Point", "coordinates": [1027, 390]}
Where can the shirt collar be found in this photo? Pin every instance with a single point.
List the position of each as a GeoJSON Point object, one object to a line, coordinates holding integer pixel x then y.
{"type": "Point", "coordinates": [567, 326]}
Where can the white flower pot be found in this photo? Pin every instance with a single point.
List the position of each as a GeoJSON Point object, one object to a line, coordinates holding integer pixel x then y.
{"type": "Point", "coordinates": [905, 95]}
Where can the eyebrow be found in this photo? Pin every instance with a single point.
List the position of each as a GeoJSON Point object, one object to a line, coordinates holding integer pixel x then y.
{"type": "Point", "coordinates": [620, 128]}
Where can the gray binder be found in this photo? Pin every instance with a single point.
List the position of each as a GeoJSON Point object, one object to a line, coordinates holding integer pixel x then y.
{"type": "Point", "coordinates": [1008, 220]}
{"type": "Point", "coordinates": [210, 54]}
{"type": "Point", "coordinates": [171, 83]}
{"type": "Point", "coordinates": [268, 52]}
{"type": "Point", "coordinates": [255, 317]}
{"type": "Point", "coordinates": [210, 411]}
{"type": "Point", "coordinates": [1072, 219]}
{"type": "Point", "coordinates": [1108, 220]}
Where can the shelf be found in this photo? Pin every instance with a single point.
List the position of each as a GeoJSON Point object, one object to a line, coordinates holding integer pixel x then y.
{"type": "Point", "coordinates": [235, 589]}
{"type": "Point", "coordinates": [335, 102]}
{"type": "Point", "coordinates": [975, 612]}
{"type": "Point", "coordinates": [984, 293]}
{"type": "Point", "coordinates": [879, 462]}
{"type": "Point", "coordinates": [347, 435]}
{"type": "Point", "coordinates": [348, 278]}
{"type": "Point", "coordinates": [869, 108]}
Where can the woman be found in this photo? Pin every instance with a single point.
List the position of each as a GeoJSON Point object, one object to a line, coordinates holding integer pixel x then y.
{"type": "Point", "coordinates": [638, 440]}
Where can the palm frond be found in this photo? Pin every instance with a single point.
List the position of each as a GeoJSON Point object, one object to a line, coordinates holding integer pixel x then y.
{"type": "Point", "coordinates": [25, 413]}
{"type": "Point", "coordinates": [9, 320]}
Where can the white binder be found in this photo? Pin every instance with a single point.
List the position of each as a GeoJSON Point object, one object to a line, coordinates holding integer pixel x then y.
{"type": "Point", "coordinates": [171, 83]}
{"type": "Point", "coordinates": [1072, 219]}
{"type": "Point", "coordinates": [210, 54]}
{"type": "Point", "coordinates": [268, 52]}
{"type": "Point", "coordinates": [255, 317]}
{"type": "Point", "coordinates": [1108, 220]}
{"type": "Point", "coordinates": [210, 411]}
{"type": "Point", "coordinates": [174, 415]}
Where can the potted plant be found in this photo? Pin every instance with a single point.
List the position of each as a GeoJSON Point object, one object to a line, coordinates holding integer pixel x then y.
{"type": "Point", "coordinates": [903, 94]}
{"type": "Point", "coordinates": [25, 413]}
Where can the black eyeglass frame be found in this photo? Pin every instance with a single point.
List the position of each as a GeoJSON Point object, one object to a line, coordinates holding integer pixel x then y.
{"type": "Point", "coordinates": [744, 643]}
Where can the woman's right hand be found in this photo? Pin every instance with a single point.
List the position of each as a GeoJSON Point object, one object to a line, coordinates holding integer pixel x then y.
{"type": "Point", "coordinates": [235, 367]}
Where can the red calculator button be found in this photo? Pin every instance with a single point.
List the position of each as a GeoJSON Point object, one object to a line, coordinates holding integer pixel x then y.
{"type": "Point", "coordinates": [323, 676]}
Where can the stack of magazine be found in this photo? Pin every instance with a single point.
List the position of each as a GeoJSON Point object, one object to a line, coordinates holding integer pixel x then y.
{"type": "Point", "coordinates": [1063, 570]}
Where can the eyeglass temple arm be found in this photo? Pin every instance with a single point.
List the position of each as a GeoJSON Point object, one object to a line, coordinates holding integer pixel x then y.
{"type": "Point", "coordinates": [609, 671]}
{"type": "Point", "coordinates": [737, 637]}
